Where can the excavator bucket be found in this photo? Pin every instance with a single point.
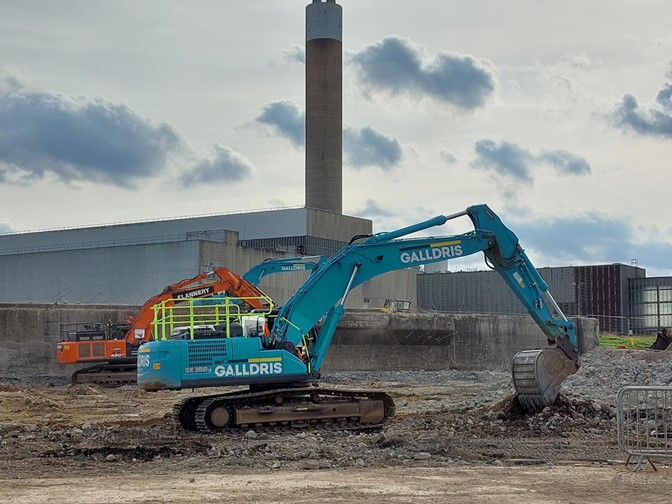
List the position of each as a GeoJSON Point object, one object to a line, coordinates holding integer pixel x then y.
{"type": "Point", "coordinates": [538, 376]}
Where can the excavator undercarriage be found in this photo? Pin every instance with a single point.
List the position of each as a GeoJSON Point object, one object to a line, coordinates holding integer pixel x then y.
{"type": "Point", "coordinates": [282, 408]}
{"type": "Point", "coordinates": [113, 374]}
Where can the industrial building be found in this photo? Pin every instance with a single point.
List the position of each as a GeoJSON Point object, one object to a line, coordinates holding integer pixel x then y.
{"type": "Point", "coordinates": [128, 263]}
{"type": "Point", "coordinates": [619, 296]}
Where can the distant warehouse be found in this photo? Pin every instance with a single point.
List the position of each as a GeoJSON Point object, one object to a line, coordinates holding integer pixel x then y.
{"type": "Point", "coordinates": [619, 296]}
{"type": "Point", "coordinates": [130, 262]}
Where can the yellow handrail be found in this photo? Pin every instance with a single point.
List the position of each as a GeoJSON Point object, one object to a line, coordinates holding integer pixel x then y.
{"type": "Point", "coordinates": [192, 313]}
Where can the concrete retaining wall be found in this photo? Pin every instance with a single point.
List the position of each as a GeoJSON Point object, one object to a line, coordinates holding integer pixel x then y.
{"type": "Point", "coordinates": [435, 341]}
{"type": "Point", "coordinates": [29, 334]}
{"type": "Point", "coordinates": [365, 340]}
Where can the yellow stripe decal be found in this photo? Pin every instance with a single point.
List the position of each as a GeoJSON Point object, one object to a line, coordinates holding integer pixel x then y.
{"type": "Point", "coordinates": [266, 359]}
{"type": "Point", "coordinates": [444, 244]}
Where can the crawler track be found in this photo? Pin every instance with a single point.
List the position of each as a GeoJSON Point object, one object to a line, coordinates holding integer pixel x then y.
{"type": "Point", "coordinates": [109, 375]}
{"type": "Point", "coordinates": [283, 408]}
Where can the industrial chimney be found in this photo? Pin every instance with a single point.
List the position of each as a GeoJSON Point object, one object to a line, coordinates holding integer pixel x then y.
{"type": "Point", "coordinates": [324, 106]}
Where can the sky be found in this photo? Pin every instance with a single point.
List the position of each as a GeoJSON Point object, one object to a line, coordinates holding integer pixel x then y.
{"type": "Point", "coordinates": [558, 115]}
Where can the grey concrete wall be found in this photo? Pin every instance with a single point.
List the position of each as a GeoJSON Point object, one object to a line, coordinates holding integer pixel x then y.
{"type": "Point", "coordinates": [435, 341]}
{"type": "Point", "coordinates": [365, 340]}
{"type": "Point", "coordinates": [332, 226]}
{"type": "Point", "coordinates": [29, 334]}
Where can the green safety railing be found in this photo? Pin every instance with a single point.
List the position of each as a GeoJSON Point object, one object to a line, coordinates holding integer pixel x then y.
{"type": "Point", "coordinates": [191, 314]}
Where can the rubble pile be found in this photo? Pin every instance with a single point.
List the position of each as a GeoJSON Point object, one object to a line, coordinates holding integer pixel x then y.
{"type": "Point", "coordinates": [604, 371]}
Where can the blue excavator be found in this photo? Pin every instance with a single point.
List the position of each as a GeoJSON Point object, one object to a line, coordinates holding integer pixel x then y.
{"type": "Point", "coordinates": [280, 363]}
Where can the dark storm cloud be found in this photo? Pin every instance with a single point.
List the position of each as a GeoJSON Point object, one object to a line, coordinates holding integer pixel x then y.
{"type": "Point", "coordinates": [79, 139]}
{"type": "Point", "coordinates": [368, 147]}
{"type": "Point", "coordinates": [590, 239]}
{"type": "Point", "coordinates": [506, 159]}
{"type": "Point", "coordinates": [287, 119]}
{"type": "Point", "coordinates": [647, 121]}
{"type": "Point", "coordinates": [224, 165]}
{"type": "Point", "coordinates": [512, 161]}
{"type": "Point", "coordinates": [394, 65]}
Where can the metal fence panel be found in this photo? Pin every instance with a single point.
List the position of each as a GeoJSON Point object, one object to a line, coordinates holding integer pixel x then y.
{"type": "Point", "coordinates": [645, 422]}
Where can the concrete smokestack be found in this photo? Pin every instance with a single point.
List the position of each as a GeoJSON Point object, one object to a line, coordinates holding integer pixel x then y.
{"type": "Point", "coordinates": [324, 106]}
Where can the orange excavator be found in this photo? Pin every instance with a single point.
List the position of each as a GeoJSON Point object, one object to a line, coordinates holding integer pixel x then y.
{"type": "Point", "coordinates": [112, 348]}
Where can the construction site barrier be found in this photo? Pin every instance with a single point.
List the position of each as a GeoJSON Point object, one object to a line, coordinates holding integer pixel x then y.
{"type": "Point", "coordinates": [644, 417]}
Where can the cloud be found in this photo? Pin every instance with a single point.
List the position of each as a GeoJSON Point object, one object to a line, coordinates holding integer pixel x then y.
{"type": "Point", "coordinates": [566, 163]}
{"type": "Point", "coordinates": [664, 97]}
{"type": "Point", "coordinates": [287, 119]}
{"type": "Point", "coordinates": [512, 161]}
{"type": "Point", "coordinates": [79, 139]}
{"type": "Point", "coordinates": [590, 239]}
{"type": "Point", "coordinates": [655, 120]}
{"type": "Point", "coordinates": [10, 83]}
{"type": "Point", "coordinates": [395, 66]}
{"type": "Point", "coordinates": [506, 159]}
{"type": "Point", "coordinates": [223, 165]}
{"type": "Point", "coordinates": [361, 146]}
{"type": "Point", "coordinates": [368, 147]}
{"type": "Point", "coordinates": [296, 54]}
{"type": "Point", "coordinates": [372, 210]}
{"type": "Point", "coordinates": [448, 157]}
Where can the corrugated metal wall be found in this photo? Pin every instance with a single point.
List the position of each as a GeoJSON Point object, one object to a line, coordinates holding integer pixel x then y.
{"type": "Point", "coordinates": [118, 275]}
{"type": "Point", "coordinates": [617, 295]}
{"type": "Point", "coordinates": [297, 245]}
{"type": "Point", "coordinates": [486, 292]}
{"type": "Point", "coordinates": [602, 293]}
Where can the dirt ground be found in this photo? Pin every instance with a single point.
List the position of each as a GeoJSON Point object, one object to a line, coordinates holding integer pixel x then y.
{"type": "Point", "coordinates": [456, 437]}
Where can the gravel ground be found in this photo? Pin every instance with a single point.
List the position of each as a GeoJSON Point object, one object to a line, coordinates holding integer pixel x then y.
{"type": "Point", "coordinates": [442, 418]}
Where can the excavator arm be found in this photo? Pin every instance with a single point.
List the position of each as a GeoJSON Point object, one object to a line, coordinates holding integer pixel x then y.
{"type": "Point", "coordinates": [537, 373]}
{"type": "Point", "coordinates": [287, 264]}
